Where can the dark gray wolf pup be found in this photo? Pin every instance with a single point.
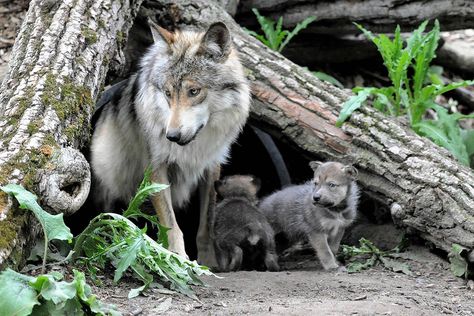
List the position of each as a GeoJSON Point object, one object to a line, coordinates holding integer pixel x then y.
{"type": "Point", "coordinates": [179, 113]}
{"type": "Point", "coordinates": [241, 231]}
{"type": "Point", "coordinates": [318, 210]}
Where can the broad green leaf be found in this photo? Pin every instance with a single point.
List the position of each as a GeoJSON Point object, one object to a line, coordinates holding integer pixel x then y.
{"type": "Point", "coordinates": [396, 266]}
{"type": "Point", "coordinates": [353, 104]}
{"type": "Point", "coordinates": [135, 292]}
{"type": "Point", "coordinates": [16, 295]}
{"type": "Point", "coordinates": [52, 290]}
{"type": "Point", "coordinates": [459, 265]}
{"type": "Point", "coordinates": [53, 225]}
{"type": "Point", "coordinates": [468, 139]}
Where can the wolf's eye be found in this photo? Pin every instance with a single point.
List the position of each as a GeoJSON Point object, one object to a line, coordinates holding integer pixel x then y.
{"type": "Point", "coordinates": [332, 185]}
{"type": "Point", "coordinates": [167, 93]}
{"type": "Point", "coordinates": [193, 92]}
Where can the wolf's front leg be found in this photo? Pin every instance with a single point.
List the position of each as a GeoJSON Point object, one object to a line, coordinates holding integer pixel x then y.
{"type": "Point", "coordinates": [335, 240]}
{"type": "Point", "coordinates": [205, 235]}
{"type": "Point", "coordinates": [164, 210]}
{"type": "Point", "coordinates": [319, 241]}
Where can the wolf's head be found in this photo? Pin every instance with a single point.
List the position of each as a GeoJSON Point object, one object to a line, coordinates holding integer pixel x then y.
{"type": "Point", "coordinates": [192, 76]}
{"type": "Point", "coordinates": [332, 183]}
{"type": "Point", "coordinates": [238, 186]}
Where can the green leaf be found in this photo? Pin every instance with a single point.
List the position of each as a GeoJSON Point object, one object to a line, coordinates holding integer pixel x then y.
{"type": "Point", "coordinates": [128, 256]}
{"type": "Point", "coordinates": [300, 26]}
{"type": "Point", "coordinates": [145, 190]}
{"type": "Point", "coordinates": [353, 104]}
{"type": "Point", "coordinates": [53, 225]}
{"type": "Point", "coordinates": [396, 266]}
{"type": "Point", "coordinates": [459, 265]}
{"type": "Point", "coordinates": [135, 292]}
{"type": "Point", "coordinates": [325, 77]}
{"type": "Point", "coordinates": [52, 290]}
{"type": "Point", "coordinates": [16, 295]}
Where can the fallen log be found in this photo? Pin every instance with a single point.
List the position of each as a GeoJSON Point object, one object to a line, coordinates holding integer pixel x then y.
{"type": "Point", "coordinates": [59, 63]}
{"type": "Point", "coordinates": [379, 16]}
{"type": "Point", "coordinates": [425, 188]}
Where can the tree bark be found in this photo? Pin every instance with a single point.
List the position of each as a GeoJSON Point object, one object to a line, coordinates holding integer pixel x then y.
{"type": "Point", "coordinates": [380, 16]}
{"type": "Point", "coordinates": [425, 188]}
{"type": "Point", "coordinates": [59, 63]}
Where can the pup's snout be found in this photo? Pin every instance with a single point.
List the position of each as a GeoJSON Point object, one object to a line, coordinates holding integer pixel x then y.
{"type": "Point", "coordinates": [173, 135]}
{"type": "Point", "coordinates": [316, 198]}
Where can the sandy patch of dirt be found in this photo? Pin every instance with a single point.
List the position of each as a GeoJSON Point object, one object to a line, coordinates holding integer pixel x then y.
{"type": "Point", "coordinates": [305, 289]}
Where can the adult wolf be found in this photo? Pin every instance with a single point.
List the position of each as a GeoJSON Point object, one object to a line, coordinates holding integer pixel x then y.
{"type": "Point", "coordinates": [179, 113]}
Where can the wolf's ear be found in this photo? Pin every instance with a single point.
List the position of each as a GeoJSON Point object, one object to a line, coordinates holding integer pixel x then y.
{"type": "Point", "coordinates": [315, 165]}
{"type": "Point", "coordinates": [351, 171]}
{"type": "Point", "coordinates": [256, 182]}
{"type": "Point", "coordinates": [160, 34]}
{"type": "Point", "coordinates": [216, 43]}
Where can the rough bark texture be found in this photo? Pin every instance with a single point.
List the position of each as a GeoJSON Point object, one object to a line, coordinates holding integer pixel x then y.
{"type": "Point", "coordinates": [58, 67]}
{"type": "Point", "coordinates": [423, 185]}
{"type": "Point", "coordinates": [382, 16]}
{"type": "Point", "coordinates": [458, 50]}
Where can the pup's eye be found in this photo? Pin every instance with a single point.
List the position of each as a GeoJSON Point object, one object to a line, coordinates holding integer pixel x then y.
{"type": "Point", "coordinates": [193, 92]}
{"type": "Point", "coordinates": [315, 182]}
{"type": "Point", "coordinates": [332, 185]}
{"type": "Point", "coordinates": [167, 93]}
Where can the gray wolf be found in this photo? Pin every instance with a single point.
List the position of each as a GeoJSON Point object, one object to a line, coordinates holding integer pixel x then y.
{"type": "Point", "coordinates": [179, 113]}
{"type": "Point", "coordinates": [242, 233]}
{"type": "Point", "coordinates": [317, 211]}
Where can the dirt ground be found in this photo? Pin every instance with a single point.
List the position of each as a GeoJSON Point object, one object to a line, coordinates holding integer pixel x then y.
{"type": "Point", "coordinates": [304, 289]}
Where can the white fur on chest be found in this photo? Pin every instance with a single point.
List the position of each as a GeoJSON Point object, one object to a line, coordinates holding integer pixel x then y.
{"type": "Point", "coordinates": [332, 225]}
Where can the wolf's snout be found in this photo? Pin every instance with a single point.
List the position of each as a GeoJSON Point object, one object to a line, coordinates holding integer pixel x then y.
{"type": "Point", "coordinates": [173, 135]}
{"type": "Point", "coordinates": [316, 198]}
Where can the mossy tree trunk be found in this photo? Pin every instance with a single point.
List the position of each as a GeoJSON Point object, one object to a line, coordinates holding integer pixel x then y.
{"type": "Point", "coordinates": [425, 188]}
{"type": "Point", "coordinates": [59, 63]}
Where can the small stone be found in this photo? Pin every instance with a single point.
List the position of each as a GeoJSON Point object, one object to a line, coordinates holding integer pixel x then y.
{"type": "Point", "coordinates": [470, 284]}
{"type": "Point", "coordinates": [360, 298]}
{"type": "Point", "coordinates": [136, 311]}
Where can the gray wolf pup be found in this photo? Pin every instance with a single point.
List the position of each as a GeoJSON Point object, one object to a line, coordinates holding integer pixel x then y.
{"type": "Point", "coordinates": [179, 113]}
{"type": "Point", "coordinates": [318, 210]}
{"type": "Point", "coordinates": [242, 233]}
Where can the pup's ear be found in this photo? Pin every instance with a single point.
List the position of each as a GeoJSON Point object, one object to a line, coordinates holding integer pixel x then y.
{"type": "Point", "coordinates": [351, 171]}
{"type": "Point", "coordinates": [160, 34]}
{"type": "Point", "coordinates": [256, 182]}
{"type": "Point", "coordinates": [216, 43]}
{"type": "Point", "coordinates": [315, 165]}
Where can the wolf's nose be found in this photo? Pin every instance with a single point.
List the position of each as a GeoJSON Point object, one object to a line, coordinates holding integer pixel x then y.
{"type": "Point", "coordinates": [316, 198]}
{"type": "Point", "coordinates": [173, 135]}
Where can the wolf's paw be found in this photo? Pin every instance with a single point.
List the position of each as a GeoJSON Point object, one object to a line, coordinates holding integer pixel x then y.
{"type": "Point", "coordinates": [207, 259]}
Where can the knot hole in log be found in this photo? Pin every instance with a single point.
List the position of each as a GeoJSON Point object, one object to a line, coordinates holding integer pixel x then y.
{"type": "Point", "coordinates": [64, 185]}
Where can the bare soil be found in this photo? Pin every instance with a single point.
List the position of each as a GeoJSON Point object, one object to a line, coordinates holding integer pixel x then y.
{"type": "Point", "coordinates": [303, 288]}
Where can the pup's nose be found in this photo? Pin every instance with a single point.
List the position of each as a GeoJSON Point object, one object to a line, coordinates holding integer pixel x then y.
{"type": "Point", "coordinates": [173, 135]}
{"type": "Point", "coordinates": [316, 198]}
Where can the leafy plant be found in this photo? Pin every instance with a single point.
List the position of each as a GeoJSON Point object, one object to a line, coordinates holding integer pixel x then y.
{"type": "Point", "coordinates": [368, 255]}
{"type": "Point", "coordinates": [415, 86]}
{"type": "Point", "coordinates": [53, 225]}
{"type": "Point", "coordinates": [459, 265]}
{"type": "Point", "coordinates": [113, 239]}
{"type": "Point", "coordinates": [48, 294]}
{"type": "Point", "coordinates": [274, 36]}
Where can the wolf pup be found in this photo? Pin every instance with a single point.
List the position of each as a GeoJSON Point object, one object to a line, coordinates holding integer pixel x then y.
{"type": "Point", "coordinates": [319, 210]}
{"type": "Point", "coordinates": [241, 231]}
{"type": "Point", "coordinates": [179, 113]}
